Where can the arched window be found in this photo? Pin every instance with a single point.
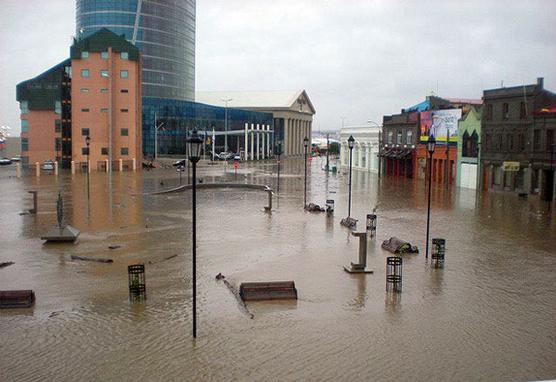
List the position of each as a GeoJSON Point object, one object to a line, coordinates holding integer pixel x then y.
{"type": "Point", "coordinates": [465, 145]}
{"type": "Point", "coordinates": [474, 143]}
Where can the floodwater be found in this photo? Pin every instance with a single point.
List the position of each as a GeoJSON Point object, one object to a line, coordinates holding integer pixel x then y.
{"type": "Point", "coordinates": [489, 315]}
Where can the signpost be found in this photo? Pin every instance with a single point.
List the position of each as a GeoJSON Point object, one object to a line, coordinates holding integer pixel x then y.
{"type": "Point", "coordinates": [510, 166]}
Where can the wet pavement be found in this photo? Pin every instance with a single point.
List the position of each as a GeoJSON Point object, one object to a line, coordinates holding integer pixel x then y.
{"type": "Point", "coordinates": [488, 315]}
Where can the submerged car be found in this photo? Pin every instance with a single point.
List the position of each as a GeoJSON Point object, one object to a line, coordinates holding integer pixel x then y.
{"type": "Point", "coordinates": [224, 155]}
{"type": "Point", "coordinates": [47, 165]}
{"type": "Point", "coordinates": [5, 162]}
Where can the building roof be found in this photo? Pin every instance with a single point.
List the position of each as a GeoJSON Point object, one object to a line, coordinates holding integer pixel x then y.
{"type": "Point", "coordinates": [267, 100]}
{"type": "Point", "coordinates": [42, 91]}
{"type": "Point", "coordinates": [469, 101]}
{"type": "Point", "coordinates": [100, 41]}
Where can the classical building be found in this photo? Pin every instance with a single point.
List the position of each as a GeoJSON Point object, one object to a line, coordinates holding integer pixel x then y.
{"type": "Point", "coordinates": [469, 142]}
{"type": "Point", "coordinates": [164, 32]}
{"type": "Point", "coordinates": [95, 93]}
{"type": "Point", "coordinates": [516, 141]}
{"type": "Point", "coordinates": [365, 150]}
{"type": "Point", "coordinates": [292, 113]}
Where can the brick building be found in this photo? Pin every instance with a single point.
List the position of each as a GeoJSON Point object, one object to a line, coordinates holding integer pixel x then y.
{"type": "Point", "coordinates": [516, 130]}
{"type": "Point", "coordinates": [95, 93]}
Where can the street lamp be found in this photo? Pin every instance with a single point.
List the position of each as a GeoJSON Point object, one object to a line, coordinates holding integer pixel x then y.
{"type": "Point", "coordinates": [305, 144]}
{"type": "Point", "coordinates": [351, 143]}
{"type": "Point", "coordinates": [194, 145]}
{"type": "Point", "coordinates": [552, 172]}
{"type": "Point", "coordinates": [431, 143]}
{"type": "Point", "coordinates": [226, 100]}
{"type": "Point", "coordinates": [88, 142]}
{"type": "Point", "coordinates": [156, 128]}
{"type": "Point", "coordinates": [278, 151]}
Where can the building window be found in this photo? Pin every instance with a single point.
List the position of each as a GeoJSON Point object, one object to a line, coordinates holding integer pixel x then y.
{"type": "Point", "coordinates": [24, 107]}
{"type": "Point", "coordinates": [57, 144]}
{"type": "Point", "coordinates": [24, 126]}
{"type": "Point", "coordinates": [84, 73]}
{"type": "Point", "coordinates": [104, 73]}
{"type": "Point", "coordinates": [399, 138]}
{"type": "Point", "coordinates": [124, 151]}
{"type": "Point", "coordinates": [505, 111]}
{"type": "Point", "coordinates": [85, 132]}
{"type": "Point", "coordinates": [104, 90]}
{"type": "Point", "coordinates": [390, 137]}
{"type": "Point", "coordinates": [84, 90]}
{"type": "Point", "coordinates": [536, 140]}
{"type": "Point", "coordinates": [124, 74]}
{"type": "Point", "coordinates": [24, 144]}
{"type": "Point", "coordinates": [488, 141]}
{"type": "Point", "coordinates": [124, 110]}
{"type": "Point", "coordinates": [104, 55]}
{"type": "Point", "coordinates": [58, 107]}
{"type": "Point", "coordinates": [489, 112]}
{"type": "Point", "coordinates": [124, 91]}
{"type": "Point", "coordinates": [500, 142]}
{"type": "Point", "coordinates": [522, 110]}
{"type": "Point", "coordinates": [124, 132]}
{"type": "Point", "coordinates": [104, 151]}
{"type": "Point", "coordinates": [549, 140]}
{"type": "Point", "coordinates": [409, 137]}
{"type": "Point", "coordinates": [521, 142]}
{"type": "Point", "coordinates": [84, 54]}
{"type": "Point", "coordinates": [58, 126]}
{"type": "Point", "coordinates": [84, 151]}
{"type": "Point", "coordinates": [104, 110]}
{"type": "Point", "coordinates": [124, 56]}
{"type": "Point", "coordinates": [510, 142]}
{"type": "Point", "coordinates": [85, 110]}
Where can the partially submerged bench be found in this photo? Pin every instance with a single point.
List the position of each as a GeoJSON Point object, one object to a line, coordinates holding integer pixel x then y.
{"type": "Point", "coordinates": [274, 290]}
{"type": "Point", "coordinates": [16, 299]}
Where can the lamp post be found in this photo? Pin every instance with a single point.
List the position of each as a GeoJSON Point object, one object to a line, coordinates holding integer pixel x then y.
{"type": "Point", "coordinates": [431, 143]}
{"type": "Point", "coordinates": [351, 143]}
{"type": "Point", "coordinates": [552, 172]}
{"type": "Point", "coordinates": [194, 145]}
{"type": "Point", "coordinates": [327, 167]}
{"type": "Point", "coordinates": [305, 145]}
{"type": "Point", "coordinates": [226, 100]}
{"type": "Point", "coordinates": [278, 150]}
{"type": "Point", "coordinates": [88, 142]}
{"type": "Point", "coordinates": [156, 128]}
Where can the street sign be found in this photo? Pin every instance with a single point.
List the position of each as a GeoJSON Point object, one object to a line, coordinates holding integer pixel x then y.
{"type": "Point", "coordinates": [510, 166]}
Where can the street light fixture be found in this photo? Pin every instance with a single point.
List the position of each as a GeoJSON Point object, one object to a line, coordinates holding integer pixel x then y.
{"type": "Point", "coordinates": [351, 143]}
{"type": "Point", "coordinates": [226, 100]}
{"type": "Point", "coordinates": [88, 142]}
{"type": "Point", "coordinates": [431, 144]}
{"type": "Point", "coordinates": [305, 145]}
{"type": "Point", "coordinates": [194, 145]}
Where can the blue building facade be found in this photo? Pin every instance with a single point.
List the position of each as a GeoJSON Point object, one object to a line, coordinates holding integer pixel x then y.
{"type": "Point", "coordinates": [164, 32]}
{"type": "Point", "coordinates": [179, 118]}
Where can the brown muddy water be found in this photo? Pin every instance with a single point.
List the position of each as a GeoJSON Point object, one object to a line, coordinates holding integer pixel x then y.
{"type": "Point", "coordinates": [489, 315]}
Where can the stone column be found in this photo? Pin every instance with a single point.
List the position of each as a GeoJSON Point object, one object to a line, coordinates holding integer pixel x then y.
{"type": "Point", "coordinates": [258, 152]}
{"type": "Point", "coordinates": [269, 140]}
{"type": "Point", "coordinates": [246, 149]}
{"type": "Point", "coordinates": [265, 141]}
{"type": "Point", "coordinates": [369, 157]}
{"type": "Point", "coordinates": [286, 137]}
{"type": "Point", "coordinates": [252, 142]}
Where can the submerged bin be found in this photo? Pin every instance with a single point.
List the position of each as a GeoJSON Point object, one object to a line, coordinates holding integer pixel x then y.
{"type": "Point", "coordinates": [274, 290]}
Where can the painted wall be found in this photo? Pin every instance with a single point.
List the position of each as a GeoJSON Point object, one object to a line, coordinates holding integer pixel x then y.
{"type": "Point", "coordinates": [470, 123]}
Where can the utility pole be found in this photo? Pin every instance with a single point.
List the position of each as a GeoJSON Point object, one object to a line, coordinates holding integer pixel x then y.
{"type": "Point", "coordinates": [327, 152]}
{"type": "Point", "coordinates": [156, 127]}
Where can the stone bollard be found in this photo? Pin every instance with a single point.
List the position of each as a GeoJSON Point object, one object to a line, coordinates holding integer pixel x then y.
{"type": "Point", "coordinates": [37, 169]}
{"type": "Point", "coordinates": [134, 165]}
{"type": "Point", "coordinates": [89, 166]}
{"type": "Point", "coordinates": [18, 170]}
{"type": "Point", "coordinates": [269, 193]}
{"type": "Point", "coordinates": [120, 165]}
{"type": "Point", "coordinates": [329, 207]}
{"type": "Point", "coordinates": [72, 167]}
{"type": "Point", "coordinates": [55, 167]}
{"type": "Point", "coordinates": [106, 164]}
{"type": "Point", "coordinates": [361, 266]}
{"type": "Point", "coordinates": [35, 202]}
{"type": "Point", "coordinates": [371, 225]}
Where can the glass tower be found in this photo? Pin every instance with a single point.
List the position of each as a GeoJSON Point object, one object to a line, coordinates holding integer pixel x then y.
{"type": "Point", "coordinates": [164, 31]}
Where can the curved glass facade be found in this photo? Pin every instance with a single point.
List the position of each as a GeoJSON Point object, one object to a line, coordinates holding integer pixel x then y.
{"type": "Point", "coordinates": [164, 31]}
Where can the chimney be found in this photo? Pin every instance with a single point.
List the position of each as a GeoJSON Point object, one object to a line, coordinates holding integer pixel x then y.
{"type": "Point", "coordinates": [540, 82]}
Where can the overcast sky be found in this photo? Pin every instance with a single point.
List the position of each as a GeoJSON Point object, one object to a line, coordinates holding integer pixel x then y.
{"type": "Point", "coordinates": [356, 59]}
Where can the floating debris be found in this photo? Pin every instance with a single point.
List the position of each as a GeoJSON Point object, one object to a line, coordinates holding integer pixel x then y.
{"type": "Point", "coordinates": [6, 264]}
{"type": "Point", "coordinates": [114, 246]}
{"type": "Point", "coordinates": [98, 260]}
{"type": "Point", "coordinates": [398, 246]}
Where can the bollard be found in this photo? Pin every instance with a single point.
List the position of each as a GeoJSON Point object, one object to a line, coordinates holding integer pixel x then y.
{"type": "Point", "coordinates": [269, 193]}
{"type": "Point", "coordinates": [72, 167]}
{"type": "Point", "coordinates": [135, 165]}
{"type": "Point", "coordinates": [106, 164]}
{"type": "Point", "coordinates": [37, 169]}
{"type": "Point", "coordinates": [394, 274]}
{"type": "Point", "coordinates": [55, 167]}
{"type": "Point", "coordinates": [35, 202]}
{"type": "Point", "coordinates": [89, 166]}
{"type": "Point", "coordinates": [136, 281]}
{"type": "Point", "coordinates": [371, 225]}
{"type": "Point", "coordinates": [120, 165]}
{"type": "Point", "coordinates": [438, 252]}
{"type": "Point", "coordinates": [18, 170]}
{"type": "Point", "coordinates": [361, 266]}
{"type": "Point", "coordinates": [329, 206]}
